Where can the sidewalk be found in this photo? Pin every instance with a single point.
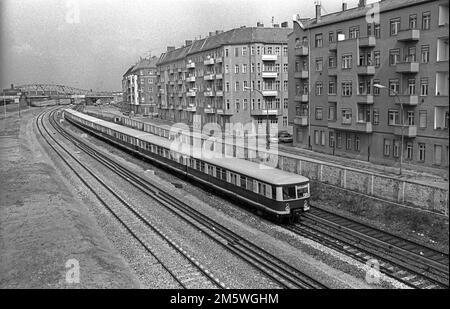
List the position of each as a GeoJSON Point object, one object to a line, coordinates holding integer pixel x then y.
{"type": "Point", "coordinates": [439, 178]}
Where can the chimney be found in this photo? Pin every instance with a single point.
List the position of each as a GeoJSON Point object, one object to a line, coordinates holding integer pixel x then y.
{"type": "Point", "coordinates": [284, 24]}
{"type": "Point", "coordinates": [318, 10]}
{"type": "Point", "coordinates": [170, 48]}
{"type": "Point", "coordinates": [362, 3]}
{"type": "Point", "coordinates": [344, 6]}
{"type": "Point", "coordinates": [219, 31]}
{"type": "Point", "coordinates": [188, 42]}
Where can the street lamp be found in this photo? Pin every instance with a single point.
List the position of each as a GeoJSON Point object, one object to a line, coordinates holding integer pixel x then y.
{"type": "Point", "coordinates": [379, 86]}
{"type": "Point", "coordinates": [267, 116]}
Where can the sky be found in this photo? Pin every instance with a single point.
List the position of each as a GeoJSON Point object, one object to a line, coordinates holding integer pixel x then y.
{"type": "Point", "coordinates": [89, 44]}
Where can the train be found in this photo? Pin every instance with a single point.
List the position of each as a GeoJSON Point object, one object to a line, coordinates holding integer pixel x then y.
{"type": "Point", "coordinates": [282, 195]}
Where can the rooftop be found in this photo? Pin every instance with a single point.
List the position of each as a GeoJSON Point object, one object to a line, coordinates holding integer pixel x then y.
{"type": "Point", "coordinates": [145, 63]}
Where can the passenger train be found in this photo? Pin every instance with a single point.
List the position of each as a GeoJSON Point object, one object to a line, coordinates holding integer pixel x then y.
{"type": "Point", "coordinates": [282, 195]}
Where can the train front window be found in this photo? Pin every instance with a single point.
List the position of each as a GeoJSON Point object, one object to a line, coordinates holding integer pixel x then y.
{"type": "Point", "coordinates": [302, 191]}
{"type": "Point", "coordinates": [289, 193]}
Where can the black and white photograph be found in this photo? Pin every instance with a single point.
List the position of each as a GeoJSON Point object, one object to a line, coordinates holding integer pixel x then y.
{"type": "Point", "coordinates": [223, 152]}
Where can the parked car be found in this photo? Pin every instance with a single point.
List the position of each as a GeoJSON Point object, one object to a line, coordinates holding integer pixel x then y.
{"type": "Point", "coordinates": [285, 137]}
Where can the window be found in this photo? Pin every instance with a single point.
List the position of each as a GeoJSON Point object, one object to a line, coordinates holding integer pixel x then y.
{"type": "Point", "coordinates": [346, 116]}
{"type": "Point", "coordinates": [331, 139]}
{"type": "Point", "coordinates": [422, 119]}
{"type": "Point", "coordinates": [426, 18]}
{"type": "Point", "coordinates": [377, 30]}
{"type": "Point", "coordinates": [285, 122]}
{"type": "Point", "coordinates": [227, 69]}
{"type": "Point", "coordinates": [285, 50]}
{"type": "Point", "coordinates": [316, 137]}
{"type": "Point", "coordinates": [369, 29]}
{"type": "Point", "coordinates": [319, 88]}
{"type": "Point", "coordinates": [318, 40]}
{"type": "Point", "coordinates": [226, 52]}
{"type": "Point", "coordinates": [396, 149]}
{"type": "Point", "coordinates": [394, 56]}
{"type": "Point", "coordinates": [277, 50]}
{"type": "Point", "coordinates": [393, 117]}
{"type": "Point", "coordinates": [244, 68]}
{"type": "Point", "coordinates": [244, 51]}
{"type": "Point", "coordinates": [258, 66]}
{"type": "Point", "coordinates": [437, 154]}
{"type": "Point", "coordinates": [413, 21]}
{"type": "Point", "coordinates": [395, 26]}
{"type": "Point", "coordinates": [236, 69]}
{"type": "Point", "coordinates": [376, 90]}
{"type": "Point", "coordinates": [331, 36]}
{"type": "Point", "coordinates": [394, 87]}
{"type": "Point", "coordinates": [244, 85]}
{"type": "Point", "coordinates": [347, 88]}
{"type": "Point", "coordinates": [357, 143]}
{"type": "Point", "coordinates": [411, 86]}
{"type": "Point", "coordinates": [236, 86]}
{"type": "Point", "coordinates": [236, 51]}
{"type": "Point", "coordinates": [270, 50]}
{"type": "Point", "coordinates": [387, 147]}
{"type": "Point", "coordinates": [285, 103]}
{"type": "Point", "coordinates": [319, 64]}
{"type": "Point", "coordinates": [285, 85]}
{"type": "Point", "coordinates": [332, 62]}
{"type": "Point", "coordinates": [332, 87]}
{"type": "Point", "coordinates": [338, 139]}
{"type": "Point", "coordinates": [319, 113]}
{"type": "Point", "coordinates": [347, 61]}
{"type": "Point", "coordinates": [238, 104]}
{"type": "Point", "coordinates": [376, 116]}
{"type": "Point", "coordinates": [322, 138]}
{"type": "Point", "coordinates": [409, 151]}
{"type": "Point", "coordinates": [421, 152]}
{"type": "Point", "coordinates": [285, 67]}
{"type": "Point", "coordinates": [425, 53]}
{"type": "Point", "coordinates": [348, 142]}
{"type": "Point", "coordinates": [332, 112]}
{"type": "Point", "coordinates": [253, 68]}
{"type": "Point", "coordinates": [354, 32]}
{"type": "Point", "coordinates": [377, 58]}
{"type": "Point", "coordinates": [411, 116]}
{"type": "Point", "coordinates": [252, 50]}
{"type": "Point", "coordinates": [411, 56]}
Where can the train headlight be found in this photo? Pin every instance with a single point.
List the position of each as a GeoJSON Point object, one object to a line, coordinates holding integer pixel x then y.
{"type": "Point", "coordinates": [287, 208]}
{"type": "Point", "coordinates": [306, 205]}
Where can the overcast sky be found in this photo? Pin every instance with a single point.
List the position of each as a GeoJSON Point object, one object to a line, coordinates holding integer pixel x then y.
{"type": "Point", "coordinates": [51, 41]}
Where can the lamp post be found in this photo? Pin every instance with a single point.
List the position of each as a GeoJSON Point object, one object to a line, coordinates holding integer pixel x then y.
{"type": "Point", "coordinates": [401, 122]}
{"type": "Point", "coordinates": [267, 116]}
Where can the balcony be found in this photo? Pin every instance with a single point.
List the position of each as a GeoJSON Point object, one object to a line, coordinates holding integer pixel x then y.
{"type": "Point", "coordinates": [408, 131]}
{"type": "Point", "coordinates": [267, 74]}
{"type": "Point", "coordinates": [191, 109]}
{"type": "Point", "coordinates": [190, 65]}
{"type": "Point", "coordinates": [171, 71]}
{"type": "Point", "coordinates": [221, 111]}
{"type": "Point", "coordinates": [407, 67]}
{"type": "Point", "coordinates": [301, 51]}
{"type": "Point", "coordinates": [301, 120]}
{"type": "Point", "coordinates": [332, 46]}
{"type": "Point", "coordinates": [301, 98]}
{"type": "Point", "coordinates": [190, 79]}
{"type": "Point", "coordinates": [347, 125]}
{"type": "Point", "coordinates": [369, 41]}
{"type": "Point", "coordinates": [365, 98]}
{"type": "Point", "coordinates": [365, 70]}
{"type": "Point", "coordinates": [209, 61]}
{"type": "Point", "coordinates": [209, 77]}
{"type": "Point", "coordinates": [269, 57]}
{"type": "Point", "coordinates": [208, 93]}
{"type": "Point", "coordinates": [411, 100]}
{"type": "Point", "coordinates": [209, 111]}
{"type": "Point", "coordinates": [301, 74]}
{"type": "Point", "coordinates": [219, 76]}
{"type": "Point", "coordinates": [270, 93]}
{"type": "Point", "coordinates": [219, 93]}
{"type": "Point", "coordinates": [179, 70]}
{"type": "Point", "coordinates": [191, 93]}
{"type": "Point", "coordinates": [265, 112]}
{"type": "Point", "coordinates": [219, 60]}
{"type": "Point", "coordinates": [408, 35]}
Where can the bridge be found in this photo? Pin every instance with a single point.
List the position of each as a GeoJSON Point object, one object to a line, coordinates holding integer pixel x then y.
{"type": "Point", "coordinates": [39, 92]}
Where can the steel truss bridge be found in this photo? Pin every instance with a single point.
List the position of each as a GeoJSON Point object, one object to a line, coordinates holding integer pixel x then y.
{"type": "Point", "coordinates": [50, 90]}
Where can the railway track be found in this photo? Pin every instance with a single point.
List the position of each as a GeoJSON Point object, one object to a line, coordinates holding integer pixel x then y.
{"type": "Point", "coordinates": [414, 264]}
{"type": "Point", "coordinates": [186, 271]}
{"type": "Point", "coordinates": [268, 264]}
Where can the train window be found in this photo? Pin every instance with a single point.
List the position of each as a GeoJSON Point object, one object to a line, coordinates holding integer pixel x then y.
{"type": "Point", "coordinates": [249, 184]}
{"type": "Point", "coordinates": [244, 182]}
{"type": "Point", "coordinates": [234, 178]}
{"type": "Point", "coordinates": [223, 175]}
{"type": "Point", "coordinates": [268, 191]}
{"type": "Point", "coordinates": [274, 192]}
{"type": "Point", "coordinates": [202, 167]}
{"type": "Point", "coordinates": [197, 165]}
{"type": "Point", "coordinates": [289, 193]}
{"type": "Point", "coordinates": [302, 191]}
{"type": "Point", "coordinates": [210, 170]}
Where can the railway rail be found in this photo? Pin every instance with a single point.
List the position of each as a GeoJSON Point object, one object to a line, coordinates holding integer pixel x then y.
{"type": "Point", "coordinates": [268, 264]}
{"type": "Point", "coordinates": [414, 264]}
{"type": "Point", "coordinates": [188, 273]}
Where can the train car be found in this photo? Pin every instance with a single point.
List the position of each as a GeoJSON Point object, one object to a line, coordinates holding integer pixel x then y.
{"type": "Point", "coordinates": [282, 195]}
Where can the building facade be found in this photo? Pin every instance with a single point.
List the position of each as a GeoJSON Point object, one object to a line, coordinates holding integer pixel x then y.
{"type": "Point", "coordinates": [238, 76]}
{"type": "Point", "coordinates": [139, 87]}
{"type": "Point", "coordinates": [363, 82]}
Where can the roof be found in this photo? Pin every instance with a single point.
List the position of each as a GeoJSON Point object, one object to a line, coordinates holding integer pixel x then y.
{"type": "Point", "coordinates": [242, 35]}
{"type": "Point", "coordinates": [146, 63]}
{"type": "Point", "coordinates": [254, 170]}
{"type": "Point", "coordinates": [356, 12]}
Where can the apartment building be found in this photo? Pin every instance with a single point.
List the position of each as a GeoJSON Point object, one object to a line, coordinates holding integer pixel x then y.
{"type": "Point", "coordinates": [363, 82]}
{"type": "Point", "coordinates": [139, 87]}
{"type": "Point", "coordinates": [237, 76]}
